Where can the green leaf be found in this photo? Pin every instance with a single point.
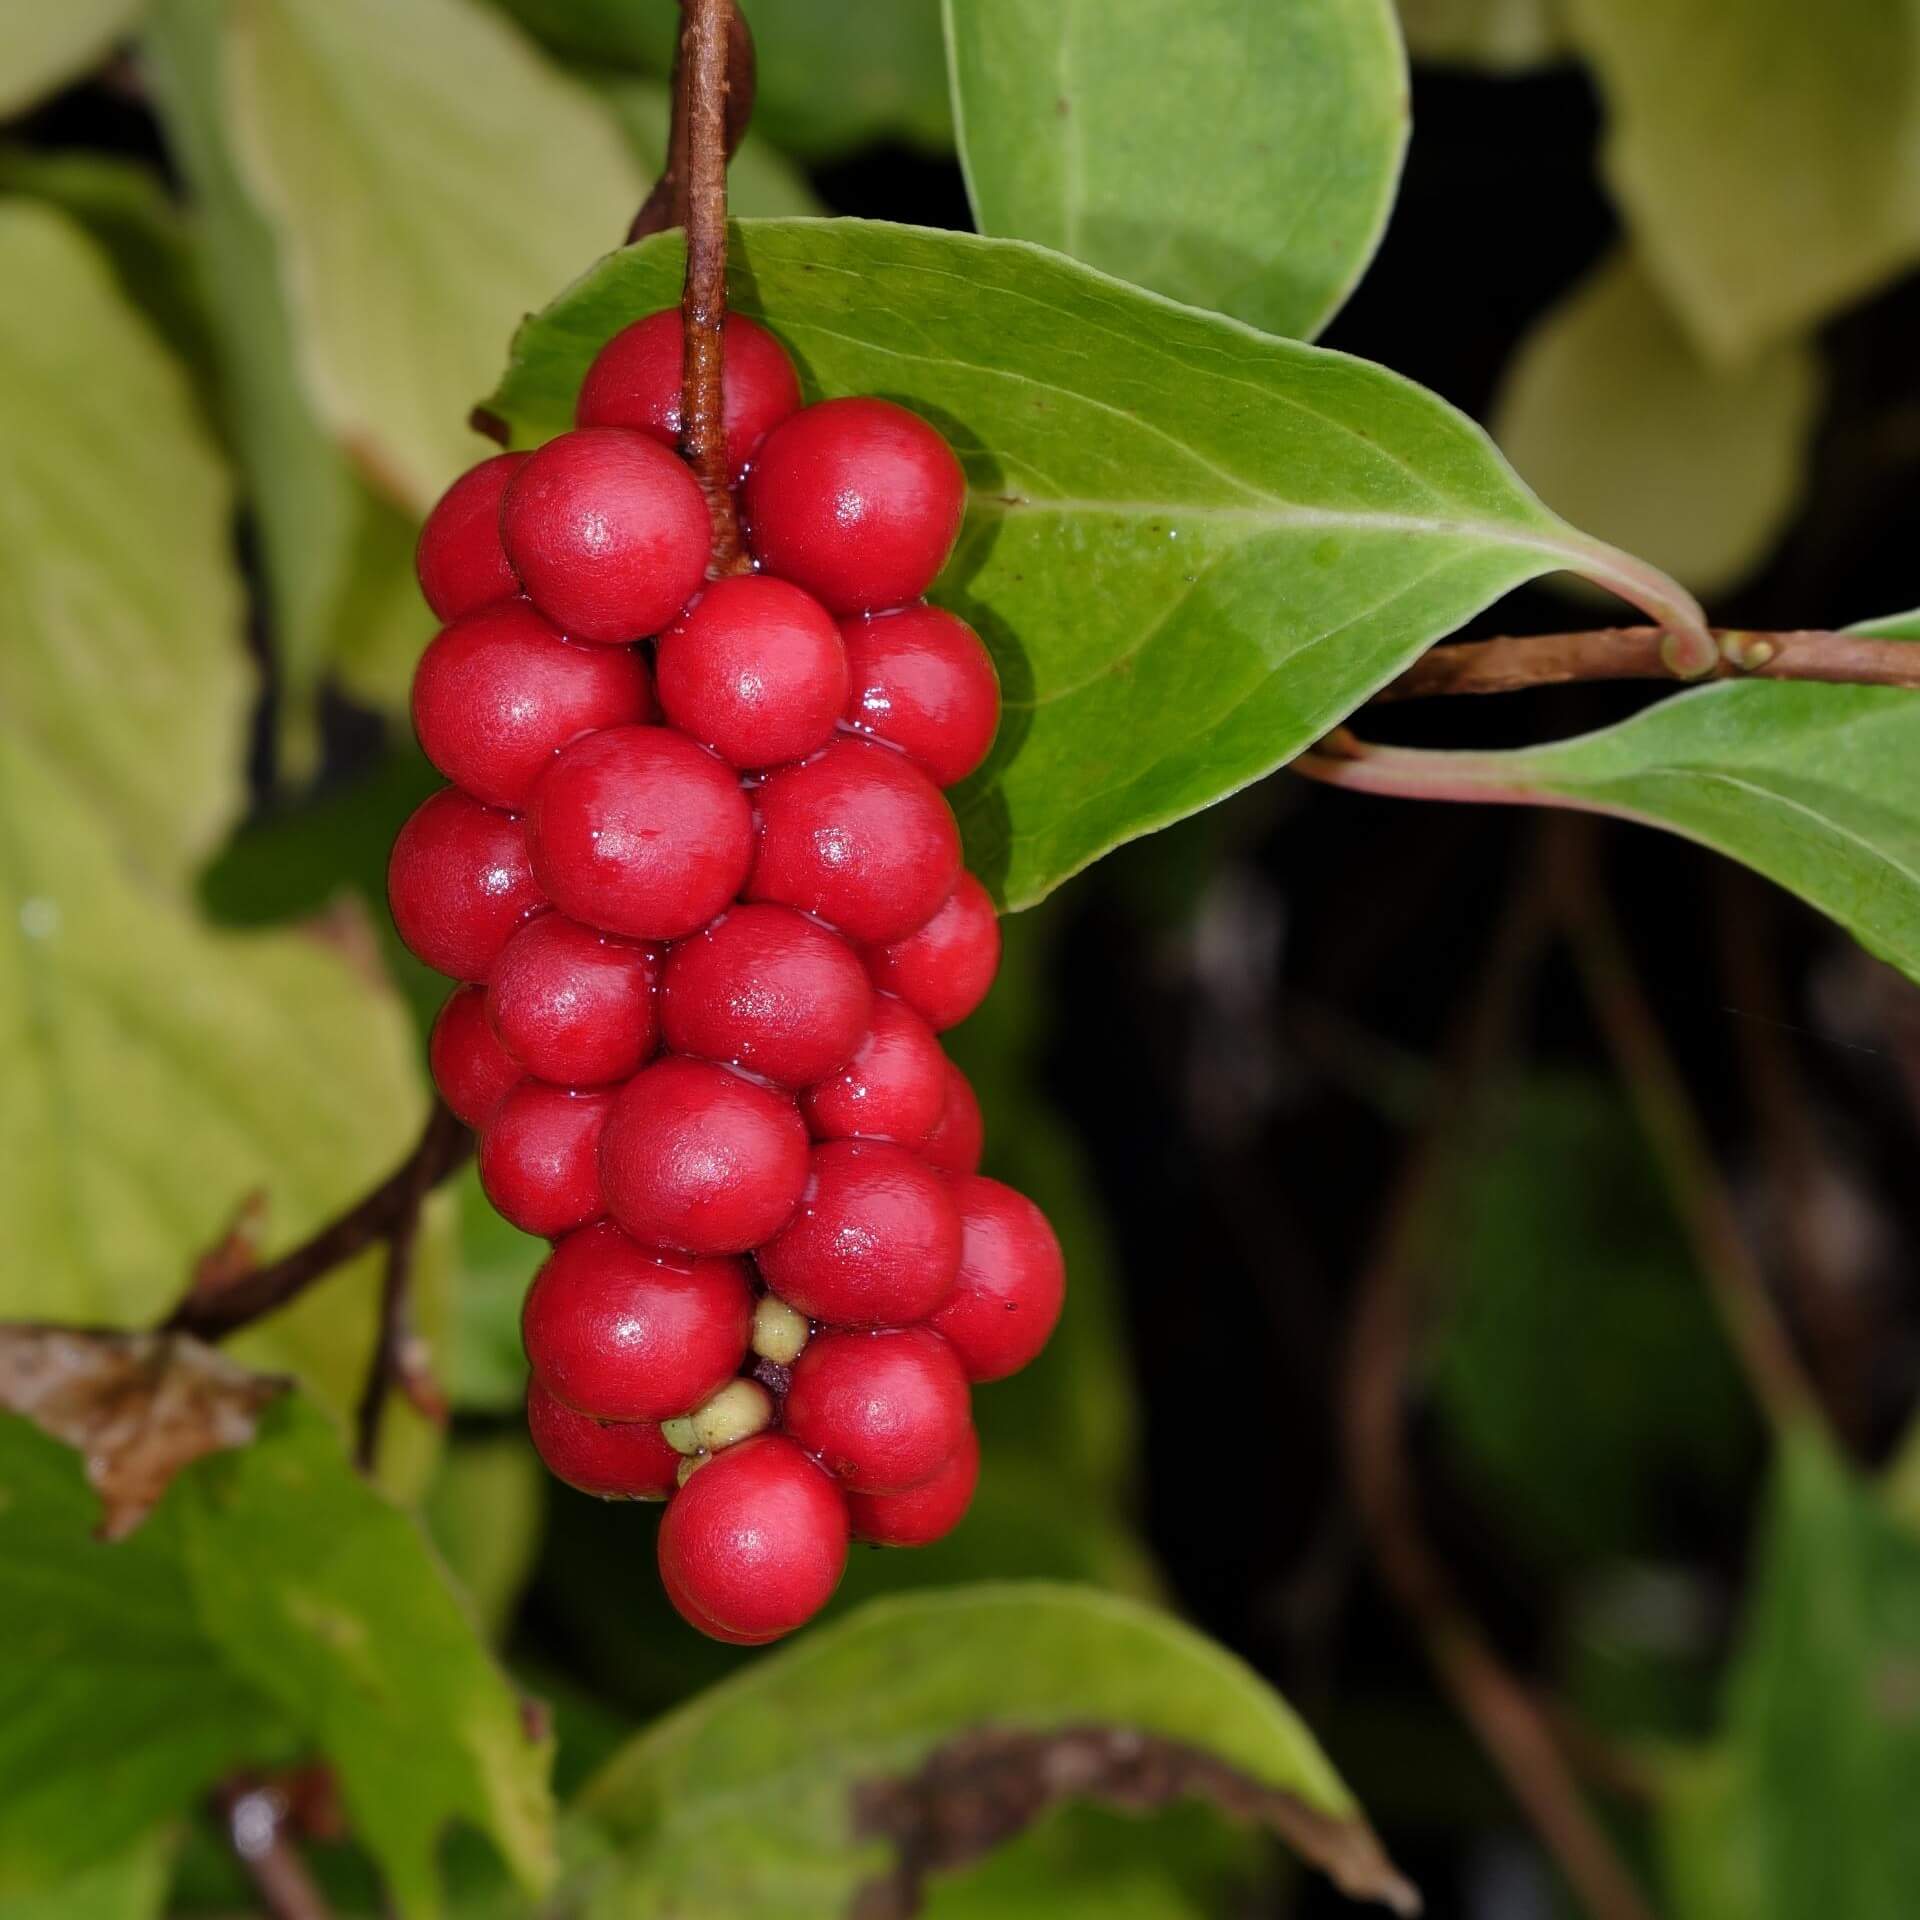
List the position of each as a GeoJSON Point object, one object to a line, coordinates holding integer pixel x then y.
{"type": "Point", "coordinates": [486, 1368]}
{"type": "Point", "coordinates": [160, 1072]}
{"type": "Point", "coordinates": [1804, 1805]}
{"type": "Point", "coordinates": [830, 78]}
{"type": "Point", "coordinates": [1810, 785]}
{"type": "Point", "coordinates": [431, 179]}
{"type": "Point", "coordinates": [272, 1605]}
{"type": "Point", "coordinates": [1192, 548]}
{"type": "Point", "coordinates": [42, 46]}
{"type": "Point", "coordinates": [484, 1512]}
{"type": "Point", "coordinates": [1083, 129]}
{"type": "Point", "coordinates": [1766, 160]}
{"type": "Point", "coordinates": [129, 215]}
{"type": "Point", "coordinates": [1892, 626]}
{"type": "Point", "coordinates": [129, 1885]}
{"type": "Point", "coordinates": [124, 654]}
{"type": "Point", "coordinates": [1610, 412]}
{"type": "Point", "coordinates": [306, 501]}
{"type": "Point", "coordinates": [1504, 36]}
{"type": "Point", "coordinates": [744, 1802]}
{"type": "Point", "coordinates": [1557, 1217]}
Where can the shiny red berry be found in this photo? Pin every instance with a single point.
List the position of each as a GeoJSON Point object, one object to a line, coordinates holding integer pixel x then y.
{"type": "Point", "coordinates": [754, 669]}
{"type": "Point", "coordinates": [638, 831]}
{"type": "Point", "coordinates": [859, 836]}
{"type": "Point", "coordinates": [460, 561]}
{"type": "Point", "coordinates": [922, 1514]}
{"type": "Point", "coordinates": [699, 1158]}
{"type": "Point", "coordinates": [499, 693]}
{"type": "Point", "coordinates": [611, 1459]}
{"type": "Point", "coordinates": [1012, 1282]}
{"type": "Point", "coordinates": [573, 1005]}
{"type": "Point", "coordinates": [635, 381]}
{"type": "Point", "coordinates": [875, 1242]}
{"type": "Point", "coordinates": [755, 1543]}
{"type": "Point", "coordinates": [955, 1145]}
{"type": "Point", "coordinates": [922, 682]}
{"type": "Point", "coordinates": [881, 1411]}
{"type": "Point", "coordinates": [857, 500]}
{"type": "Point", "coordinates": [943, 970]}
{"type": "Point", "coordinates": [769, 990]}
{"type": "Point", "coordinates": [469, 1065]}
{"type": "Point", "coordinates": [458, 882]}
{"type": "Point", "coordinates": [622, 1332]}
{"type": "Point", "coordinates": [894, 1087]}
{"type": "Point", "coordinates": [539, 1158]}
{"type": "Point", "coordinates": [608, 533]}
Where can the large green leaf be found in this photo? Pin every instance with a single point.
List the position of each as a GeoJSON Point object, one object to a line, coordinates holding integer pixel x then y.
{"type": "Point", "coordinates": [159, 1073]}
{"type": "Point", "coordinates": [1192, 548]}
{"type": "Point", "coordinates": [1810, 785]}
{"type": "Point", "coordinates": [1241, 158]}
{"type": "Point", "coordinates": [121, 648]}
{"type": "Point", "coordinates": [744, 1802]}
{"type": "Point", "coordinates": [272, 1605]}
{"type": "Point", "coordinates": [1609, 410]}
{"type": "Point", "coordinates": [43, 46]}
{"type": "Point", "coordinates": [1805, 1804]}
{"type": "Point", "coordinates": [431, 179]}
{"type": "Point", "coordinates": [1767, 156]}
{"type": "Point", "coordinates": [831, 77]}
{"type": "Point", "coordinates": [128, 1885]}
{"type": "Point", "coordinates": [311, 510]}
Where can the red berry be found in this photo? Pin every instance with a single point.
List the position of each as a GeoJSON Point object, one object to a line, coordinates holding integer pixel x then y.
{"type": "Point", "coordinates": [755, 1543]}
{"type": "Point", "coordinates": [572, 1005]}
{"type": "Point", "coordinates": [608, 532]}
{"type": "Point", "coordinates": [635, 382]}
{"type": "Point", "coordinates": [859, 836]}
{"type": "Point", "coordinates": [470, 1067]}
{"type": "Point", "coordinates": [769, 990]}
{"type": "Point", "coordinates": [943, 970]}
{"type": "Point", "coordinates": [611, 1459]}
{"type": "Point", "coordinates": [955, 1145]}
{"type": "Point", "coordinates": [621, 1332]}
{"type": "Point", "coordinates": [859, 501]}
{"type": "Point", "coordinates": [460, 561]}
{"type": "Point", "coordinates": [755, 670]}
{"type": "Point", "coordinates": [459, 882]}
{"type": "Point", "coordinates": [922, 682]}
{"type": "Point", "coordinates": [499, 693]}
{"type": "Point", "coordinates": [894, 1087]}
{"type": "Point", "coordinates": [1012, 1281]}
{"type": "Point", "coordinates": [640, 832]}
{"type": "Point", "coordinates": [696, 1157]}
{"type": "Point", "coordinates": [881, 1411]}
{"type": "Point", "coordinates": [875, 1243]}
{"type": "Point", "coordinates": [539, 1158]}
{"type": "Point", "coordinates": [923, 1514]}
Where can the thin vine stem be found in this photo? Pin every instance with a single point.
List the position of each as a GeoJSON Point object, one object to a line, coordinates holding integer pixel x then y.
{"type": "Point", "coordinates": [1515, 662]}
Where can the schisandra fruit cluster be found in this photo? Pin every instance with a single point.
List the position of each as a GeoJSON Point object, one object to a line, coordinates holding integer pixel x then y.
{"type": "Point", "coordinates": [698, 879]}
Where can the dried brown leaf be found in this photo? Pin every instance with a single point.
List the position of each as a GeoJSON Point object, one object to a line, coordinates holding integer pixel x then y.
{"type": "Point", "coordinates": [138, 1407]}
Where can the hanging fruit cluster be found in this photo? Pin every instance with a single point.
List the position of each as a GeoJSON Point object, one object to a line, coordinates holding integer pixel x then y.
{"type": "Point", "coordinates": [698, 879]}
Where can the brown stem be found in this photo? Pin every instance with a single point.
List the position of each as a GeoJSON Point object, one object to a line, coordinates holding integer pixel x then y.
{"type": "Point", "coordinates": [1511, 1725]}
{"type": "Point", "coordinates": [236, 1302]}
{"type": "Point", "coordinates": [1641, 653]}
{"type": "Point", "coordinates": [394, 1363]}
{"type": "Point", "coordinates": [703, 304]}
{"type": "Point", "coordinates": [666, 205]}
{"type": "Point", "coordinates": [255, 1819]}
{"type": "Point", "coordinates": [1659, 1094]}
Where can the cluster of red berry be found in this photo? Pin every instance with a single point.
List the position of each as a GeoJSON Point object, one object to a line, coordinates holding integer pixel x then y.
{"type": "Point", "coordinates": [697, 874]}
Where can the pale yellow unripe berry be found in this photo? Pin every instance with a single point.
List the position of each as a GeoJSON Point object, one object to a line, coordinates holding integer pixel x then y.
{"type": "Point", "coordinates": [779, 1332]}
